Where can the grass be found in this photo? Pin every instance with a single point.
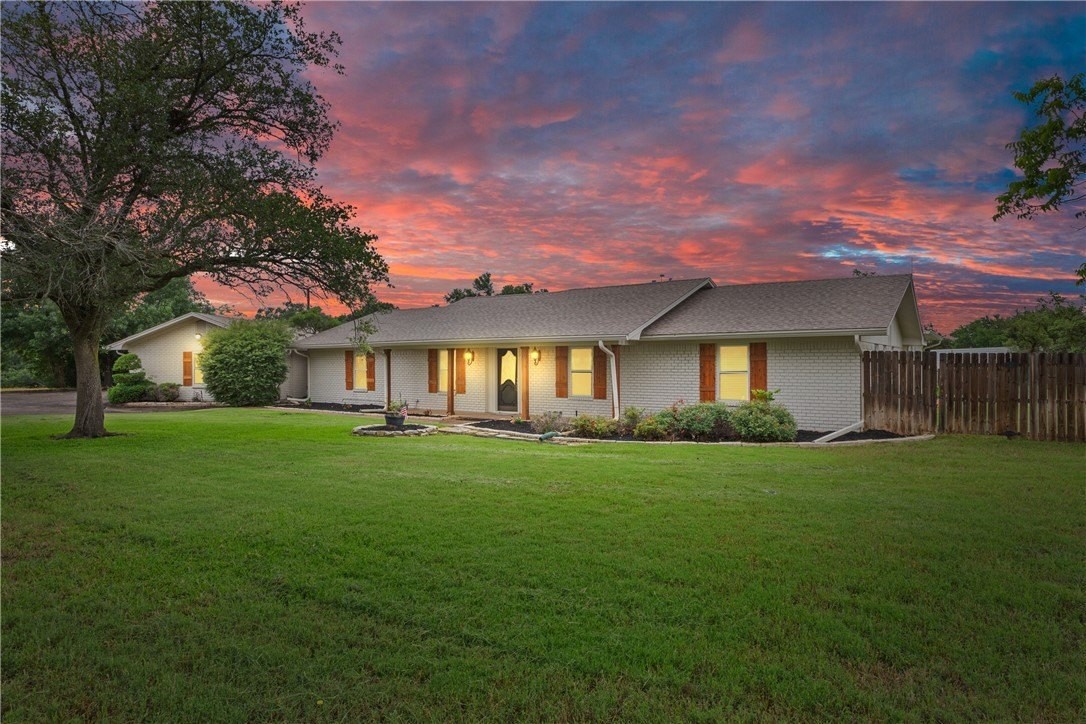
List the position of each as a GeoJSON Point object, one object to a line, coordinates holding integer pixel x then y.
{"type": "Point", "coordinates": [262, 565]}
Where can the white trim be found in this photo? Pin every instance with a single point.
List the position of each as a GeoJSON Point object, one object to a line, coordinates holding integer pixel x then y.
{"type": "Point", "coordinates": [755, 334]}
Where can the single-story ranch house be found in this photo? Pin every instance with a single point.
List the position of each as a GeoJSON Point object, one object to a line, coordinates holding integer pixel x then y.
{"type": "Point", "coordinates": [599, 350]}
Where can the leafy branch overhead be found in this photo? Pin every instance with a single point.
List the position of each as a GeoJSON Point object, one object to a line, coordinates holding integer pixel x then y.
{"type": "Point", "coordinates": [1050, 154]}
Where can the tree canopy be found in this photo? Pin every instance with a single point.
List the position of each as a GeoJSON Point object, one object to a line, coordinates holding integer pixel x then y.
{"type": "Point", "coordinates": [1050, 154]}
{"type": "Point", "coordinates": [149, 142]}
{"type": "Point", "coordinates": [483, 286]}
{"type": "Point", "coordinates": [1056, 324]}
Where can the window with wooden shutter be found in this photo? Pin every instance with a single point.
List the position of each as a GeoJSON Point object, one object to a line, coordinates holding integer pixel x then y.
{"type": "Point", "coordinates": [348, 369]}
{"type": "Point", "coordinates": [197, 370]}
{"type": "Point", "coordinates": [443, 370]}
{"type": "Point", "coordinates": [461, 373]}
{"type": "Point", "coordinates": [431, 370]}
{"type": "Point", "coordinates": [561, 371]}
{"type": "Point", "coordinates": [371, 372]}
{"type": "Point", "coordinates": [580, 372]}
{"type": "Point", "coordinates": [707, 372]}
{"type": "Point", "coordinates": [599, 374]}
{"type": "Point", "coordinates": [734, 373]}
{"type": "Point", "coordinates": [759, 376]}
{"type": "Point", "coordinates": [186, 369]}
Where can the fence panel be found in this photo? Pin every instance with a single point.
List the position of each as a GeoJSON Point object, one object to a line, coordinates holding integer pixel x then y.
{"type": "Point", "coordinates": [1041, 396]}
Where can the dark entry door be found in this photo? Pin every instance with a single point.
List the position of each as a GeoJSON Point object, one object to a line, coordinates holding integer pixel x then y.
{"type": "Point", "coordinates": [507, 380]}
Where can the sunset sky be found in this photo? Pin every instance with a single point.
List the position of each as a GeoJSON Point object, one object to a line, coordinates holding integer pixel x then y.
{"type": "Point", "coordinates": [585, 144]}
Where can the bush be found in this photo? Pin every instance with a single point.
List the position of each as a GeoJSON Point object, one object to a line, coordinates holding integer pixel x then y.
{"type": "Point", "coordinates": [631, 418]}
{"type": "Point", "coordinates": [549, 422]}
{"type": "Point", "coordinates": [130, 382]}
{"type": "Point", "coordinates": [167, 392]}
{"type": "Point", "coordinates": [245, 363]}
{"type": "Point", "coordinates": [704, 422]}
{"type": "Point", "coordinates": [760, 421]}
{"type": "Point", "coordinates": [594, 427]}
{"type": "Point", "coordinates": [651, 429]}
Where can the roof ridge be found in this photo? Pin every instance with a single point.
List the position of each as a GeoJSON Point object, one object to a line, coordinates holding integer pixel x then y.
{"type": "Point", "coordinates": [583, 289]}
{"type": "Point", "coordinates": [808, 281]}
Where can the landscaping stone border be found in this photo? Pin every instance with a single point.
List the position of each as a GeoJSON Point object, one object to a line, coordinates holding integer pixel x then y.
{"type": "Point", "coordinates": [470, 429]}
{"type": "Point", "coordinates": [372, 431]}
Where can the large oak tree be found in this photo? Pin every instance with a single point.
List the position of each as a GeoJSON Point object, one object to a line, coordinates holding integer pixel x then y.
{"type": "Point", "coordinates": [147, 142]}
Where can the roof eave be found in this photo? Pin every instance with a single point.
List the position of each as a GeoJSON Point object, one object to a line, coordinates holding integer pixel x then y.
{"type": "Point", "coordinates": [122, 343]}
{"type": "Point", "coordinates": [613, 338]}
{"type": "Point", "coordinates": [767, 334]}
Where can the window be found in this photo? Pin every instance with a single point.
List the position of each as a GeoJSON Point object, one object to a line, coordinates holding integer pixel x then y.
{"type": "Point", "coordinates": [443, 370]}
{"type": "Point", "coordinates": [734, 373]}
{"type": "Point", "coordinates": [197, 370]}
{"type": "Point", "coordinates": [360, 372]}
{"type": "Point", "coordinates": [580, 371]}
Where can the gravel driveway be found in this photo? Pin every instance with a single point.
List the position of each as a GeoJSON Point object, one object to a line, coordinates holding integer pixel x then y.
{"type": "Point", "coordinates": [45, 403]}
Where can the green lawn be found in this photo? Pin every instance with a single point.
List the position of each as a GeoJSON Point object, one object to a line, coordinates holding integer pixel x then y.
{"type": "Point", "coordinates": [233, 565]}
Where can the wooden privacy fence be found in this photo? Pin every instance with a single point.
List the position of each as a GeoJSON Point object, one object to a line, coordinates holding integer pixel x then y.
{"type": "Point", "coordinates": [1039, 396]}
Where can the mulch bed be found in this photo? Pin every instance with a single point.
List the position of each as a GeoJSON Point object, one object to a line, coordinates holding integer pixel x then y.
{"type": "Point", "coordinates": [802, 436]}
{"type": "Point", "coordinates": [335, 407]}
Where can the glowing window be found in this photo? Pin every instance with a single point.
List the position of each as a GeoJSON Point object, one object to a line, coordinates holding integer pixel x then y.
{"type": "Point", "coordinates": [360, 371]}
{"type": "Point", "coordinates": [580, 371]}
{"type": "Point", "coordinates": [443, 370]}
{"type": "Point", "coordinates": [734, 373]}
{"type": "Point", "coordinates": [197, 370]}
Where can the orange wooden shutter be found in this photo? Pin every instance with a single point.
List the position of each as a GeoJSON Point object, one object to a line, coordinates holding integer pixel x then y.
{"type": "Point", "coordinates": [431, 370]}
{"type": "Point", "coordinates": [561, 371]}
{"type": "Point", "coordinates": [599, 374]}
{"type": "Point", "coordinates": [707, 376]}
{"type": "Point", "coordinates": [186, 369]}
{"type": "Point", "coordinates": [759, 377]}
{"type": "Point", "coordinates": [371, 372]}
{"type": "Point", "coordinates": [348, 369]}
{"type": "Point", "coordinates": [461, 373]}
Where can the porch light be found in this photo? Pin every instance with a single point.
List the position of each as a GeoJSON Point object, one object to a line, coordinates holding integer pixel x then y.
{"type": "Point", "coordinates": [535, 356]}
{"type": "Point", "coordinates": [198, 335]}
{"type": "Point", "coordinates": [469, 356]}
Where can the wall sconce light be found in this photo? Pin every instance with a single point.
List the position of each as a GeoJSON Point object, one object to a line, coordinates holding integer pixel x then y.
{"type": "Point", "coordinates": [535, 356]}
{"type": "Point", "coordinates": [198, 335]}
{"type": "Point", "coordinates": [469, 356]}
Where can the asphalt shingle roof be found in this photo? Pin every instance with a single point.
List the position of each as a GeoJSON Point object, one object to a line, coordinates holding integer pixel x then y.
{"type": "Point", "coordinates": [608, 313]}
{"type": "Point", "coordinates": [825, 305]}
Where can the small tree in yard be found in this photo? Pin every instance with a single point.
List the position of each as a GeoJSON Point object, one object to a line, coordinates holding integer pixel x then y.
{"type": "Point", "coordinates": [245, 363]}
{"type": "Point", "coordinates": [130, 381]}
{"type": "Point", "coordinates": [146, 142]}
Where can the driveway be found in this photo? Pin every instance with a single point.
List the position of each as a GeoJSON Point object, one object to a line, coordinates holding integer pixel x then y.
{"type": "Point", "coordinates": [45, 403]}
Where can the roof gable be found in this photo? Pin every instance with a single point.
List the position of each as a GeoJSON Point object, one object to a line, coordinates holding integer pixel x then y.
{"type": "Point", "coordinates": [852, 305]}
{"type": "Point", "coordinates": [216, 319]}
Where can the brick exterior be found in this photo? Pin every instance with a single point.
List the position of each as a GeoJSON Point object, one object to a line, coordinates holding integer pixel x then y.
{"type": "Point", "coordinates": [819, 380]}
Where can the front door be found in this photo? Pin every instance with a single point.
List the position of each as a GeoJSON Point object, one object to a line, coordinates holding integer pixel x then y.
{"type": "Point", "coordinates": [507, 380]}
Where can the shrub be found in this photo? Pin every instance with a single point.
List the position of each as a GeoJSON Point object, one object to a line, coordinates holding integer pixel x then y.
{"type": "Point", "coordinates": [631, 418]}
{"type": "Point", "coordinates": [130, 382]}
{"type": "Point", "coordinates": [763, 395]}
{"type": "Point", "coordinates": [761, 421]}
{"type": "Point", "coordinates": [245, 363]}
{"type": "Point", "coordinates": [594, 427]}
{"type": "Point", "coordinates": [650, 429]}
{"type": "Point", "coordinates": [704, 422]}
{"type": "Point", "coordinates": [167, 392]}
{"type": "Point", "coordinates": [549, 422]}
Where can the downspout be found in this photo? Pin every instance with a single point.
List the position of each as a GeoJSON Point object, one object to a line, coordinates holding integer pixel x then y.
{"type": "Point", "coordinates": [614, 380]}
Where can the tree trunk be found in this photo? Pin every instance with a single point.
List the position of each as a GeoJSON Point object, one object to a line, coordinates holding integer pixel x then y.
{"type": "Point", "coordinates": [90, 414]}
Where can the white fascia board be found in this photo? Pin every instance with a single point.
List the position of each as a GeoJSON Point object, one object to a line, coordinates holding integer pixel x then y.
{"type": "Point", "coordinates": [455, 343]}
{"type": "Point", "coordinates": [636, 334]}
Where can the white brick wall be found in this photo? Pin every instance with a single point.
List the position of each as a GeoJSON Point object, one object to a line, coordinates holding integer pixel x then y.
{"type": "Point", "coordinates": [162, 354]}
{"type": "Point", "coordinates": [819, 380]}
{"type": "Point", "coordinates": [541, 388]}
{"type": "Point", "coordinates": [656, 375]}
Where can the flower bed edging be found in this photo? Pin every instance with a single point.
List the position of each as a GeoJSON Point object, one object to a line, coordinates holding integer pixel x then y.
{"type": "Point", "coordinates": [373, 431]}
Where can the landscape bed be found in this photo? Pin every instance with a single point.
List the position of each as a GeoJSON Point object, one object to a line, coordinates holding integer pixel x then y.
{"type": "Point", "coordinates": [525, 427]}
{"type": "Point", "coordinates": [266, 565]}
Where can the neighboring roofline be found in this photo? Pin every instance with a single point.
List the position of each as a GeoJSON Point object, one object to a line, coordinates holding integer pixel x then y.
{"type": "Point", "coordinates": [209, 318]}
{"type": "Point", "coordinates": [636, 334]}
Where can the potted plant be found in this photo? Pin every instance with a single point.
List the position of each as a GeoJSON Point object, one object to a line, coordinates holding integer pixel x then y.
{"type": "Point", "coordinates": [395, 413]}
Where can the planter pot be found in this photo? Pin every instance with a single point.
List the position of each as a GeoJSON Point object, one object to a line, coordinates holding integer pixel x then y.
{"type": "Point", "coordinates": [394, 420]}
